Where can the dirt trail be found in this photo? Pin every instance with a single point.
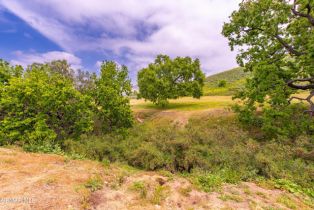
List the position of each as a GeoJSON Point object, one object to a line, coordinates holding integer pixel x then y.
{"type": "Point", "coordinates": [180, 118]}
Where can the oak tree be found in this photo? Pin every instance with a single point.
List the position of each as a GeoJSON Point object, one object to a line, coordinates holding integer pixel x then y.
{"type": "Point", "coordinates": [168, 78]}
{"type": "Point", "coordinates": [275, 42]}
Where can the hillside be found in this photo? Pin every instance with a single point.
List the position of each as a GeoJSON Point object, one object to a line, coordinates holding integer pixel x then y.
{"type": "Point", "coordinates": [44, 181]}
{"type": "Point", "coordinates": [225, 83]}
{"type": "Point", "coordinates": [144, 176]}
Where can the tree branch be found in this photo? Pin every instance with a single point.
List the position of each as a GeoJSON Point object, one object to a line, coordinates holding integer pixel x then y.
{"type": "Point", "coordinates": [309, 100]}
{"type": "Point", "coordinates": [288, 47]}
{"type": "Point", "coordinates": [291, 84]}
{"type": "Point", "coordinates": [300, 14]}
{"type": "Point", "coordinates": [298, 98]}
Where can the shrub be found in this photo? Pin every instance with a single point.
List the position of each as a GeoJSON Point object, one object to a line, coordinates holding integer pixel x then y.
{"type": "Point", "coordinates": [102, 148]}
{"type": "Point", "coordinates": [208, 182]}
{"type": "Point", "coordinates": [214, 150]}
{"type": "Point", "coordinates": [288, 121]}
{"type": "Point", "coordinates": [94, 183]}
{"type": "Point", "coordinates": [222, 83]}
{"type": "Point", "coordinates": [43, 106]}
{"type": "Point", "coordinates": [147, 157]}
{"type": "Point", "coordinates": [140, 187]}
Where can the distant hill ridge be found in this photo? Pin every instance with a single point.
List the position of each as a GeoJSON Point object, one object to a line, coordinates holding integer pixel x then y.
{"type": "Point", "coordinates": [225, 83]}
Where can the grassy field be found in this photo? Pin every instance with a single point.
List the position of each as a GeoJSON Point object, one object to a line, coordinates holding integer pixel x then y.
{"type": "Point", "coordinates": [192, 104]}
{"type": "Point", "coordinates": [186, 103]}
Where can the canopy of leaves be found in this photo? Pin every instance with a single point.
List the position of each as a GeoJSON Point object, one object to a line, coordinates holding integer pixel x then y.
{"type": "Point", "coordinates": [169, 79]}
{"type": "Point", "coordinates": [43, 105]}
{"type": "Point", "coordinates": [7, 71]}
{"type": "Point", "coordinates": [275, 40]}
{"type": "Point", "coordinates": [50, 102]}
{"type": "Point", "coordinates": [112, 87]}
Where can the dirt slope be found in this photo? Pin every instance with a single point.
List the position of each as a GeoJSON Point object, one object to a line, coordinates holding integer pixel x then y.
{"type": "Point", "coordinates": [41, 181]}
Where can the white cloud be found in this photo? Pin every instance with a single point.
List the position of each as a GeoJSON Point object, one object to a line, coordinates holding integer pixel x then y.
{"type": "Point", "coordinates": [182, 28]}
{"type": "Point", "coordinates": [98, 64]}
{"type": "Point", "coordinates": [24, 59]}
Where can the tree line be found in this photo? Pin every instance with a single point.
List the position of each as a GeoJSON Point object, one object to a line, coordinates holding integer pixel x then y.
{"type": "Point", "coordinates": [52, 102]}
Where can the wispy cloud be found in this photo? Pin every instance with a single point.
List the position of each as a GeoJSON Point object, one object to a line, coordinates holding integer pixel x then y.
{"type": "Point", "coordinates": [134, 30]}
{"type": "Point", "coordinates": [24, 59]}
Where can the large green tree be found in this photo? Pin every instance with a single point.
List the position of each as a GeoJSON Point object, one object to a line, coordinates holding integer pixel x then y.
{"type": "Point", "coordinates": [111, 97]}
{"type": "Point", "coordinates": [275, 42]}
{"type": "Point", "coordinates": [43, 105]}
{"type": "Point", "coordinates": [168, 78]}
{"type": "Point", "coordinates": [48, 103]}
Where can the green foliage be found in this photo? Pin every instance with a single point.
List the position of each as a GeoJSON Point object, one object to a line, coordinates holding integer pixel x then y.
{"type": "Point", "coordinates": [48, 103]}
{"type": "Point", "coordinates": [148, 157]}
{"type": "Point", "coordinates": [7, 72]}
{"type": "Point", "coordinates": [102, 148]}
{"type": "Point", "coordinates": [94, 183]}
{"type": "Point", "coordinates": [222, 83]}
{"type": "Point", "coordinates": [293, 187]}
{"type": "Point", "coordinates": [213, 150]}
{"type": "Point", "coordinates": [43, 106]}
{"type": "Point", "coordinates": [140, 187]}
{"type": "Point", "coordinates": [208, 182]}
{"type": "Point", "coordinates": [170, 79]}
{"type": "Point", "coordinates": [289, 121]}
{"type": "Point", "coordinates": [275, 43]}
{"type": "Point", "coordinates": [44, 147]}
{"type": "Point", "coordinates": [113, 107]}
{"type": "Point", "coordinates": [211, 180]}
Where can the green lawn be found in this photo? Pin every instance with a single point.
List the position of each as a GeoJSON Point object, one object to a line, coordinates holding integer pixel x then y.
{"type": "Point", "coordinates": [190, 104]}
{"type": "Point", "coordinates": [187, 103]}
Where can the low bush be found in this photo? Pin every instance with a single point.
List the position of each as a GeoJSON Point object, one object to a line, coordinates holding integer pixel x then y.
{"type": "Point", "coordinates": [94, 183]}
{"type": "Point", "coordinates": [210, 150]}
{"type": "Point", "coordinates": [222, 83]}
{"type": "Point", "coordinates": [139, 187]}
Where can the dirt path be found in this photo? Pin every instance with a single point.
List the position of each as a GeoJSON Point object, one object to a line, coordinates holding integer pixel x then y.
{"type": "Point", "coordinates": [180, 118]}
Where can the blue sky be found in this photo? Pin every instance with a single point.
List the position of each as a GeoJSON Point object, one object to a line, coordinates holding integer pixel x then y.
{"type": "Point", "coordinates": [131, 32]}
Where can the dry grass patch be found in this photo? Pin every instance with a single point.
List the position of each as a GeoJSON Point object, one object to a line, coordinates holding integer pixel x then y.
{"type": "Point", "coordinates": [45, 179]}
